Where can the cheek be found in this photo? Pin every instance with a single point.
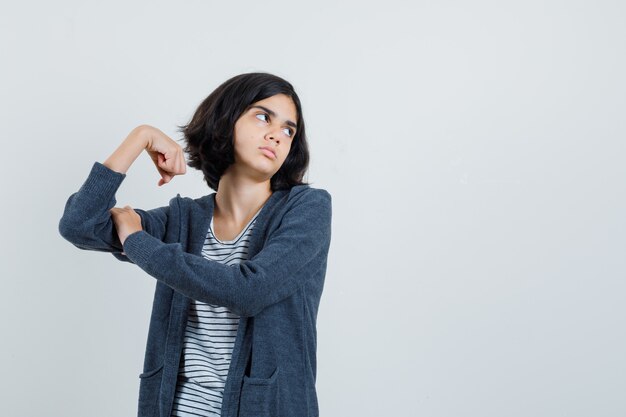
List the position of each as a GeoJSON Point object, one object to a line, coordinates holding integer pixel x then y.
{"type": "Point", "coordinates": [245, 136]}
{"type": "Point", "coordinates": [285, 156]}
{"type": "Point", "coordinates": [241, 139]}
{"type": "Point", "coordinates": [245, 147]}
{"type": "Point", "coordinates": [287, 151]}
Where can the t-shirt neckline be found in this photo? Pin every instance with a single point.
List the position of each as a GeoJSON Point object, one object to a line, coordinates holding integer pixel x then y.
{"type": "Point", "coordinates": [236, 238]}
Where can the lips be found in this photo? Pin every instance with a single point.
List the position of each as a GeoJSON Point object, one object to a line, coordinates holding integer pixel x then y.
{"type": "Point", "coordinates": [268, 151]}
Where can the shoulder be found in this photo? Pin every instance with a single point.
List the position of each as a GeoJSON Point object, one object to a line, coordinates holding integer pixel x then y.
{"type": "Point", "coordinates": [185, 206]}
{"type": "Point", "coordinates": [295, 196]}
{"type": "Point", "coordinates": [308, 193]}
{"type": "Point", "coordinates": [308, 202]}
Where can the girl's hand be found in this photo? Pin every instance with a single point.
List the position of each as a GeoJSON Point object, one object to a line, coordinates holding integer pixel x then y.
{"type": "Point", "coordinates": [126, 221]}
{"type": "Point", "coordinates": [167, 155]}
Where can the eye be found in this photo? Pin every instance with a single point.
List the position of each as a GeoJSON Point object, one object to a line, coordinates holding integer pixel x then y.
{"type": "Point", "coordinates": [289, 131]}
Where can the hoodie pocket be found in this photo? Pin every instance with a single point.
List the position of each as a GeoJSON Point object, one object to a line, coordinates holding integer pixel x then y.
{"type": "Point", "coordinates": [149, 387]}
{"type": "Point", "coordinates": [259, 396]}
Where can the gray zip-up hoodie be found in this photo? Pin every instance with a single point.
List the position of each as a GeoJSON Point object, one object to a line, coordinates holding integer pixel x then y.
{"type": "Point", "coordinates": [276, 291]}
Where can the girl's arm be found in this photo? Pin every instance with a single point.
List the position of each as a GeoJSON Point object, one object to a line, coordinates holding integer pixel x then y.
{"type": "Point", "coordinates": [296, 251]}
{"type": "Point", "coordinates": [125, 154]}
{"type": "Point", "coordinates": [165, 153]}
{"type": "Point", "coordinates": [86, 220]}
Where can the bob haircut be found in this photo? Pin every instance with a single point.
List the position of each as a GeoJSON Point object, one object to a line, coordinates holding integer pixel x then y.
{"type": "Point", "coordinates": [209, 136]}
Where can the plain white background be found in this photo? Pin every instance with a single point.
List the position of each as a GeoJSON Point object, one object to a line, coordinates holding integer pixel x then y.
{"type": "Point", "coordinates": [474, 151]}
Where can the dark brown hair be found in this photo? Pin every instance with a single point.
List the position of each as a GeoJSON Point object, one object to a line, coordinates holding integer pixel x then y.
{"type": "Point", "coordinates": [209, 136]}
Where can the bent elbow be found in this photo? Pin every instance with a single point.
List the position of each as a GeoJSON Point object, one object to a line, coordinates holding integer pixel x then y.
{"type": "Point", "coordinates": [82, 235]}
{"type": "Point", "coordinates": [71, 226]}
{"type": "Point", "coordinates": [69, 230]}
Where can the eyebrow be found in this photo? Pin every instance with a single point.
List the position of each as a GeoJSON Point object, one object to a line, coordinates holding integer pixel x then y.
{"type": "Point", "coordinates": [273, 114]}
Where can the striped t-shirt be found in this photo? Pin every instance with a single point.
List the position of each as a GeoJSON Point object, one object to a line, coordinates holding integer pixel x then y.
{"type": "Point", "coordinates": [209, 337]}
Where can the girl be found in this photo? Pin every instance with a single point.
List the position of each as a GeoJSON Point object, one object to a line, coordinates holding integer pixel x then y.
{"type": "Point", "coordinates": [239, 272]}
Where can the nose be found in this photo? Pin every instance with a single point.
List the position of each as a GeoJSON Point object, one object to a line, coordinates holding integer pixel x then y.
{"type": "Point", "coordinates": [272, 136]}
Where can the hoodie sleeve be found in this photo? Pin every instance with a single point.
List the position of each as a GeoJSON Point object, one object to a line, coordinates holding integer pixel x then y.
{"type": "Point", "coordinates": [87, 223]}
{"type": "Point", "coordinates": [296, 249]}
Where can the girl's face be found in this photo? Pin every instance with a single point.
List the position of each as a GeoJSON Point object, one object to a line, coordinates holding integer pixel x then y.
{"type": "Point", "coordinates": [269, 123]}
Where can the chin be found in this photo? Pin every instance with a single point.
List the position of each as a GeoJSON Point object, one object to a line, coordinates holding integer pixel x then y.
{"type": "Point", "coordinates": [265, 170]}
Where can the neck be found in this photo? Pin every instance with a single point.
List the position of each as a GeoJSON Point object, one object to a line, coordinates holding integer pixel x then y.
{"type": "Point", "coordinates": [238, 198]}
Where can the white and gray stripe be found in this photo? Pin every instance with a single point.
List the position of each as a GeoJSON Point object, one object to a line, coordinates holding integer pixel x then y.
{"type": "Point", "coordinates": [209, 337]}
